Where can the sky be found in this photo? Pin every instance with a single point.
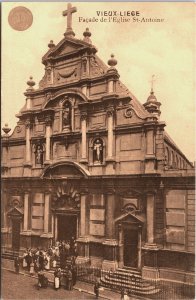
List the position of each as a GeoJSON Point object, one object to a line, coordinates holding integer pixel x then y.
{"type": "Point", "coordinates": [142, 49]}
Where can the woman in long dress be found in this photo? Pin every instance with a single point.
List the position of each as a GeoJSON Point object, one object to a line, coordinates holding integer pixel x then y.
{"type": "Point", "coordinates": [57, 278]}
{"type": "Point", "coordinates": [24, 262]}
{"type": "Point", "coordinates": [32, 270]}
{"type": "Point", "coordinates": [47, 258]}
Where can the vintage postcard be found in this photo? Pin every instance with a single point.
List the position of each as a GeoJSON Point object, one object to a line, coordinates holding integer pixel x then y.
{"type": "Point", "coordinates": [98, 150]}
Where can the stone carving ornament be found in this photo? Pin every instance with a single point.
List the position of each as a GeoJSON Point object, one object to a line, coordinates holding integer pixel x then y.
{"type": "Point", "coordinates": [15, 202]}
{"type": "Point", "coordinates": [66, 197]}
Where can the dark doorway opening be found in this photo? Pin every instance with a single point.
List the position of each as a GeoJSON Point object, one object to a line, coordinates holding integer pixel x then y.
{"type": "Point", "coordinates": [16, 234]}
{"type": "Point", "coordinates": [67, 227]}
{"type": "Point", "coordinates": [130, 248]}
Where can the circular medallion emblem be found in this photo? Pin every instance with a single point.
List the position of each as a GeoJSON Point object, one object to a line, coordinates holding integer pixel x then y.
{"type": "Point", "coordinates": [20, 18]}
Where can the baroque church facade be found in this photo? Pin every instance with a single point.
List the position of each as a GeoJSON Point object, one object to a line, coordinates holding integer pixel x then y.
{"type": "Point", "coordinates": [88, 160]}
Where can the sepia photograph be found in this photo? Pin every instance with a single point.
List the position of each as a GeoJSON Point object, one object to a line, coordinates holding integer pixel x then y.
{"type": "Point", "coordinates": [98, 150]}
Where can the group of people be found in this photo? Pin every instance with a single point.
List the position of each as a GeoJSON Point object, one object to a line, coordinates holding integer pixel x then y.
{"type": "Point", "coordinates": [44, 259]}
{"type": "Point", "coordinates": [61, 257]}
{"type": "Point", "coordinates": [68, 275]}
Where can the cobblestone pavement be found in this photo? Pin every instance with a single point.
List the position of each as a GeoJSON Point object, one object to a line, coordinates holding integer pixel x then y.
{"type": "Point", "coordinates": [17, 286]}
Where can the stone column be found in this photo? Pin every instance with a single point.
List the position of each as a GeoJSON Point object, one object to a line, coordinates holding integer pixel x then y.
{"type": "Point", "coordinates": [83, 240]}
{"type": "Point", "coordinates": [55, 227]}
{"type": "Point", "coordinates": [150, 151]}
{"type": "Point", "coordinates": [72, 117]}
{"type": "Point", "coordinates": [28, 142]}
{"type": "Point", "coordinates": [121, 242]}
{"type": "Point", "coordinates": [110, 206]}
{"type": "Point", "coordinates": [110, 133]}
{"type": "Point", "coordinates": [83, 215]}
{"type": "Point", "coordinates": [46, 212]}
{"type": "Point", "coordinates": [110, 244]}
{"type": "Point", "coordinates": [150, 218]}
{"type": "Point", "coordinates": [139, 247]}
{"type": "Point", "coordinates": [48, 122]}
{"type": "Point", "coordinates": [83, 129]}
{"type": "Point", "coordinates": [60, 119]}
{"type": "Point", "coordinates": [26, 211]}
{"type": "Point", "coordinates": [150, 268]}
{"type": "Point", "coordinates": [3, 210]}
{"type": "Point", "coordinates": [150, 142]}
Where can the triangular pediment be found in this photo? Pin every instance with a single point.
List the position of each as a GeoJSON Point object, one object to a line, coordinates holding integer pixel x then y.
{"type": "Point", "coordinates": [130, 218]}
{"type": "Point", "coordinates": [65, 47]}
{"type": "Point", "coordinates": [16, 212]}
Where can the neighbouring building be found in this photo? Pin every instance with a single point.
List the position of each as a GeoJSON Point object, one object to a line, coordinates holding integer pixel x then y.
{"type": "Point", "coordinates": [88, 160]}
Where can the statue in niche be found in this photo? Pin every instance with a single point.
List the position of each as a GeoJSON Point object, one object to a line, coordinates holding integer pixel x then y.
{"type": "Point", "coordinates": [39, 155]}
{"type": "Point", "coordinates": [66, 115]}
{"type": "Point", "coordinates": [98, 151]}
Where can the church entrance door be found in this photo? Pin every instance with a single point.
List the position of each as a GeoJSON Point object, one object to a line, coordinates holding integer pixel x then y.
{"type": "Point", "coordinates": [67, 227]}
{"type": "Point", "coordinates": [16, 234]}
{"type": "Point", "coordinates": [131, 247]}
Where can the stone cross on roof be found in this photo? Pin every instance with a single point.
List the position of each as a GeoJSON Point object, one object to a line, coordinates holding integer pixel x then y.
{"type": "Point", "coordinates": [68, 13]}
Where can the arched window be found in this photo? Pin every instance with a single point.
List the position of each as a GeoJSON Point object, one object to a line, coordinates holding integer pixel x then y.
{"type": "Point", "coordinates": [172, 158]}
{"type": "Point", "coordinates": [167, 156]}
{"type": "Point", "coordinates": [66, 116]}
{"type": "Point", "coordinates": [180, 163]}
{"type": "Point", "coordinates": [177, 162]}
{"type": "Point", "coordinates": [98, 151]}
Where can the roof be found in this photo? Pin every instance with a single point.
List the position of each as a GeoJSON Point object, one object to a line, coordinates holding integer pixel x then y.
{"type": "Point", "coordinates": [168, 139]}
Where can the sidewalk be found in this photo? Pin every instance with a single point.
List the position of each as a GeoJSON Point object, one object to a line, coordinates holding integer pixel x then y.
{"type": "Point", "coordinates": [88, 288]}
{"type": "Point", "coordinates": [80, 286]}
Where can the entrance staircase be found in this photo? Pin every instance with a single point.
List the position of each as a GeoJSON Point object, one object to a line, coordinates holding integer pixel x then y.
{"type": "Point", "coordinates": [130, 279]}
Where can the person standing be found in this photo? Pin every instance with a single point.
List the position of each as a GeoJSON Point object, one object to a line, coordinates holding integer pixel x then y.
{"type": "Point", "coordinates": [32, 270]}
{"type": "Point", "coordinates": [24, 262]}
{"type": "Point", "coordinates": [74, 275]}
{"type": "Point", "coordinates": [17, 265]}
{"type": "Point", "coordinates": [41, 261]}
{"type": "Point", "coordinates": [47, 262]}
{"type": "Point", "coordinates": [69, 280]}
{"type": "Point", "coordinates": [28, 260]}
{"type": "Point", "coordinates": [96, 290]}
{"type": "Point", "coordinates": [57, 278]}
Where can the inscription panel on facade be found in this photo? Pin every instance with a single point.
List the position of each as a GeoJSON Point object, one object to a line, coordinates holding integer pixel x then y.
{"type": "Point", "coordinates": [97, 214]}
{"type": "Point", "coordinates": [97, 89]}
{"type": "Point", "coordinates": [17, 152]}
{"type": "Point", "coordinates": [175, 236]}
{"type": "Point", "coordinates": [130, 142]}
{"type": "Point", "coordinates": [97, 229]}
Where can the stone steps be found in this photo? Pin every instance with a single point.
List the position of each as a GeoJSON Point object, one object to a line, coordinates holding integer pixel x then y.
{"type": "Point", "coordinates": [131, 280]}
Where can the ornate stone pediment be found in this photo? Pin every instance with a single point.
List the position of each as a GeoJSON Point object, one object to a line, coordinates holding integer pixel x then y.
{"type": "Point", "coordinates": [16, 212]}
{"type": "Point", "coordinates": [15, 202]}
{"type": "Point", "coordinates": [66, 198]}
{"type": "Point", "coordinates": [64, 47]}
{"type": "Point", "coordinates": [130, 217]}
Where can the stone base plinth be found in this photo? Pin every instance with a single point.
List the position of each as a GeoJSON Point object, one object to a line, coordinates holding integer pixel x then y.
{"type": "Point", "coordinates": [27, 170]}
{"type": "Point", "coordinates": [109, 265]}
{"type": "Point", "coordinates": [82, 260]}
{"type": "Point", "coordinates": [177, 275]}
{"type": "Point", "coordinates": [150, 273]}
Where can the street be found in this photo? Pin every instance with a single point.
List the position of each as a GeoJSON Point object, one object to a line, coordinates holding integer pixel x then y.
{"type": "Point", "coordinates": [17, 286]}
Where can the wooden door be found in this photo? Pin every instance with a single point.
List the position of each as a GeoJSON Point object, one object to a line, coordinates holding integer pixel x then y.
{"type": "Point", "coordinates": [131, 247]}
{"type": "Point", "coordinates": [16, 234]}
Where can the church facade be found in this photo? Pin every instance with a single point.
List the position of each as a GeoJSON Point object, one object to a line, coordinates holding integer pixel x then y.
{"type": "Point", "coordinates": [88, 160]}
